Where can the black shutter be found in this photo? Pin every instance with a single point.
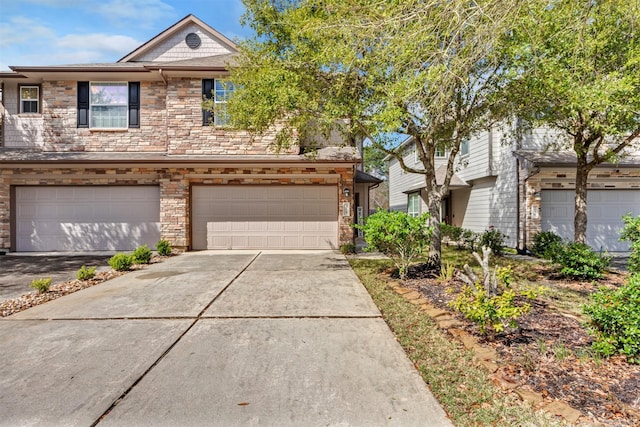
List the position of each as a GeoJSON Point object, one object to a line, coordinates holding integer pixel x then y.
{"type": "Point", "coordinates": [207, 93]}
{"type": "Point", "coordinates": [83, 104]}
{"type": "Point", "coordinates": [134, 104]}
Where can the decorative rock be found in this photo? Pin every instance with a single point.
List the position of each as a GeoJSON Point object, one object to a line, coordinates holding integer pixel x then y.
{"type": "Point", "coordinates": [563, 410]}
{"type": "Point", "coordinates": [529, 396]}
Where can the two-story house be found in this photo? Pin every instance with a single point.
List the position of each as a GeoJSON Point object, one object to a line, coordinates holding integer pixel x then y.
{"type": "Point", "coordinates": [515, 185]}
{"type": "Point", "coordinates": [112, 156]}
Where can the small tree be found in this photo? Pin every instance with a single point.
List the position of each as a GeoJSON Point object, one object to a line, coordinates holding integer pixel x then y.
{"type": "Point", "coordinates": [631, 233]}
{"type": "Point", "coordinates": [401, 237]}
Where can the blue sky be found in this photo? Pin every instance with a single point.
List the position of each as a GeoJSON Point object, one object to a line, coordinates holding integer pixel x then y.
{"type": "Point", "coordinates": [56, 32]}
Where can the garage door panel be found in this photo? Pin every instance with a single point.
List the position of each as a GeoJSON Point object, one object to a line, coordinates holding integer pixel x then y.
{"type": "Point", "coordinates": [274, 217]}
{"type": "Point", "coordinates": [86, 218]}
{"type": "Point", "coordinates": [605, 209]}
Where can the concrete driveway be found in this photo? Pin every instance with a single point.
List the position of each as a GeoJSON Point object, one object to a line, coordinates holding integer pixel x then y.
{"type": "Point", "coordinates": [217, 339]}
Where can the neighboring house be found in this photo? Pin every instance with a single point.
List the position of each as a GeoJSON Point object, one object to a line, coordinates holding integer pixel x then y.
{"type": "Point", "coordinates": [516, 187]}
{"type": "Point", "coordinates": [113, 156]}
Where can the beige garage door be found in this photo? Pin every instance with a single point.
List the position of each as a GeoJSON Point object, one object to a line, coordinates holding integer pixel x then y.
{"type": "Point", "coordinates": [77, 218]}
{"type": "Point", "coordinates": [264, 217]}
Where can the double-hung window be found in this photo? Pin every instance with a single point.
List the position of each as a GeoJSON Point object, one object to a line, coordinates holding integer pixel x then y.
{"type": "Point", "coordinates": [464, 148]}
{"type": "Point", "coordinates": [29, 99]}
{"type": "Point", "coordinates": [109, 105]}
{"type": "Point", "coordinates": [413, 205]}
{"type": "Point", "coordinates": [219, 91]}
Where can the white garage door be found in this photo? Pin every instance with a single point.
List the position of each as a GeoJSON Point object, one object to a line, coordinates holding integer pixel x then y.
{"type": "Point", "coordinates": [605, 209]}
{"type": "Point", "coordinates": [77, 218]}
{"type": "Point", "coordinates": [264, 217]}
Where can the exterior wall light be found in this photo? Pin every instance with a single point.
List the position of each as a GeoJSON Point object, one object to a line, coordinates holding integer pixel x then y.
{"type": "Point", "coordinates": [346, 191]}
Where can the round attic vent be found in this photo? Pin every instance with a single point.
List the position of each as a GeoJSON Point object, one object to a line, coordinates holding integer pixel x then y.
{"type": "Point", "coordinates": [192, 40]}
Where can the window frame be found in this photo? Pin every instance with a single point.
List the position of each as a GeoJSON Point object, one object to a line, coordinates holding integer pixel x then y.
{"type": "Point", "coordinates": [465, 146]}
{"type": "Point", "coordinates": [208, 117]}
{"type": "Point", "coordinates": [125, 105]}
{"type": "Point", "coordinates": [413, 211]}
{"type": "Point", "coordinates": [20, 100]}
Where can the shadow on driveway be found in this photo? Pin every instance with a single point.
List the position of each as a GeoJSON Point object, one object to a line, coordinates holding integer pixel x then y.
{"type": "Point", "coordinates": [17, 271]}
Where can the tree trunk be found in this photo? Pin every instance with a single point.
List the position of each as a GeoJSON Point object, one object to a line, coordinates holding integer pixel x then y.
{"type": "Point", "coordinates": [580, 213]}
{"type": "Point", "coordinates": [434, 200]}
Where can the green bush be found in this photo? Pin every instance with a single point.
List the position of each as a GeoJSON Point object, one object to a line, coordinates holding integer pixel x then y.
{"type": "Point", "coordinates": [142, 255]}
{"type": "Point", "coordinates": [546, 245]}
{"type": "Point", "coordinates": [41, 285]}
{"type": "Point", "coordinates": [121, 262]}
{"type": "Point", "coordinates": [579, 261]}
{"type": "Point", "coordinates": [86, 273]}
{"type": "Point", "coordinates": [163, 247]}
{"type": "Point", "coordinates": [399, 236]}
{"type": "Point", "coordinates": [348, 248]}
{"type": "Point", "coordinates": [494, 240]}
{"type": "Point", "coordinates": [493, 313]}
{"type": "Point", "coordinates": [631, 233]}
{"type": "Point", "coordinates": [615, 320]}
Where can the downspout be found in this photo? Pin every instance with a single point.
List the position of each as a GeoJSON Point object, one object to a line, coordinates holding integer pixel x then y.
{"type": "Point", "coordinates": [490, 154]}
{"type": "Point", "coordinates": [162, 76]}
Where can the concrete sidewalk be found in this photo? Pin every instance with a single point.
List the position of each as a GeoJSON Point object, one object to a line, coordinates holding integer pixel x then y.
{"type": "Point", "coordinates": [213, 338]}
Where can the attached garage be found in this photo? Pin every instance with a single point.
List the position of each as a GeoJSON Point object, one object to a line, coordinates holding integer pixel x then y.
{"type": "Point", "coordinates": [264, 217]}
{"type": "Point", "coordinates": [605, 209]}
{"type": "Point", "coordinates": [86, 218]}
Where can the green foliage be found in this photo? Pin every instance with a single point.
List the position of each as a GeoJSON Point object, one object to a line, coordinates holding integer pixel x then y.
{"type": "Point", "coordinates": [142, 255]}
{"type": "Point", "coordinates": [614, 320]}
{"type": "Point", "coordinates": [491, 313]}
{"type": "Point", "coordinates": [121, 262]}
{"type": "Point", "coordinates": [399, 236]}
{"type": "Point", "coordinates": [163, 247]}
{"type": "Point", "coordinates": [505, 275]}
{"type": "Point", "coordinates": [451, 232]}
{"type": "Point", "coordinates": [579, 261]}
{"type": "Point", "coordinates": [348, 248]}
{"type": "Point", "coordinates": [86, 273]}
{"type": "Point", "coordinates": [41, 285]}
{"type": "Point", "coordinates": [546, 245]}
{"type": "Point", "coordinates": [469, 239]}
{"type": "Point", "coordinates": [631, 233]}
{"type": "Point", "coordinates": [494, 240]}
{"type": "Point", "coordinates": [446, 273]}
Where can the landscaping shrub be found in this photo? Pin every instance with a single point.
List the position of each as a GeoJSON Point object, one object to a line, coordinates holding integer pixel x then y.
{"type": "Point", "coordinates": [494, 240]}
{"type": "Point", "coordinates": [86, 273]}
{"type": "Point", "coordinates": [579, 261]}
{"type": "Point", "coordinates": [469, 239]}
{"type": "Point", "coordinates": [142, 255]}
{"type": "Point", "coordinates": [399, 236]}
{"type": "Point", "coordinates": [348, 248]}
{"type": "Point", "coordinates": [631, 233]}
{"type": "Point", "coordinates": [546, 245]}
{"type": "Point", "coordinates": [163, 247]}
{"type": "Point", "coordinates": [121, 262]}
{"type": "Point", "coordinates": [41, 285]}
{"type": "Point", "coordinates": [615, 320]}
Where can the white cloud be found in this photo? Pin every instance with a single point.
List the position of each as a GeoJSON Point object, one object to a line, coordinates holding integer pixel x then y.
{"type": "Point", "coordinates": [100, 43]}
{"type": "Point", "coordinates": [22, 30]}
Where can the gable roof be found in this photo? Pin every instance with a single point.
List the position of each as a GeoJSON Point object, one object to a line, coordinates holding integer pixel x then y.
{"type": "Point", "coordinates": [172, 30]}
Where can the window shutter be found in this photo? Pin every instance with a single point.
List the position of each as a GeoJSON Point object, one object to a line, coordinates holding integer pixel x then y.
{"type": "Point", "coordinates": [134, 104]}
{"type": "Point", "coordinates": [83, 104]}
{"type": "Point", "coordinates": [207, 93]}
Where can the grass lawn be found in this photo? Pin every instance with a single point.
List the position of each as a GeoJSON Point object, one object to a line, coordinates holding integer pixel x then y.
{"type": "Point", "coordinates": [464, 389]}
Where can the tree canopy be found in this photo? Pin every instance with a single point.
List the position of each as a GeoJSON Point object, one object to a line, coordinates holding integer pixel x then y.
{"type": "Point", "coordinates": [579, 73]}
{"type": "Point", "coordinates": [432, 70]}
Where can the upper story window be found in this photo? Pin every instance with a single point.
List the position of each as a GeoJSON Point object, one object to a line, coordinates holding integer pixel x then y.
{"type": "Point", "coordinates": [413, 205]}
{"type": "Point", "coordinates": [219, 91]}
{"type": "Point", "coordinates": [29, 99]}
{"type": "Point", "coordinates": [109, 105]}
{"type": "Point", "coordinates": [464, 147]}
{"type": "Point", "coordinates": [439, 152]}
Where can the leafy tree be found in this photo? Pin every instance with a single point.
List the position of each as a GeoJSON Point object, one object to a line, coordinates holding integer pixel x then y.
{"type": "Point", "coordinates": [580, 75]}
{"type": "Point", "coordinates": [401, 237]}
{"type": "Point", "coordinates": [373, 159]}
{"type": "Point", "coordinates": [370, 69]}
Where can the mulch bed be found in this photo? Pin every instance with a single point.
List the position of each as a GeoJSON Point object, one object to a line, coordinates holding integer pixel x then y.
{"type": "Point", "coordinates": [31, 299]}
{"type": "Point", "coordinates": [550, 353]}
